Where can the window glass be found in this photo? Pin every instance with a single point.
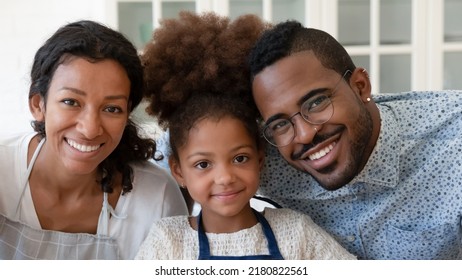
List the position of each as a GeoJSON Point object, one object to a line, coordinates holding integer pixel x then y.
{"type": "Point", "coordinates": [452, 77]}
{"type": "Point", "coordinates": [395, 22]}
{"type": "Point", "coordinates": [135, 22]}
{"type": "Point", "coordinates": [395, 73]}
{"type": "Point", "coordinates": [452, 21]}
{"type": "Point", "coordinates": [353, 22]}
{"type": "Point", "coordinates": [288, 10]}
{"type": "Point", "coordinates": [240, 7]}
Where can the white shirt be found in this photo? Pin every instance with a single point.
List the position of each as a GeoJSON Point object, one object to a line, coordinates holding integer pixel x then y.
{"type": "Point", "coordinates": [154, 195]}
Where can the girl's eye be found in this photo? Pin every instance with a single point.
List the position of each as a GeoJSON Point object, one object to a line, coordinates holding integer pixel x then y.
{"type": "Point", "coordinates": [113, 109]}
{"type": "Point", "coordinates": [241, 159]}
{"type": "Point", "coordinates": [70, 102]}
{"type": "Point", "coordinates": [202, 165]}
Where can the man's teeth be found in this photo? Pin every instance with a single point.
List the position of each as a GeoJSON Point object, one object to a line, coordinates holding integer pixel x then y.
{"type": "Point", "coordinates": [321, 153]}
{"type": "Point", "coordinates": [82, 148]}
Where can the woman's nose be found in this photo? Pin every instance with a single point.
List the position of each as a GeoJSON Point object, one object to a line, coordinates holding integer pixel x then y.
{"type": "Point", "coordinates": [89, 125]}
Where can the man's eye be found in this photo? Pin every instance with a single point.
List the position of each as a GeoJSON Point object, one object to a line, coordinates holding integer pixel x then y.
{"type": "Point", "coordinates": [280, 126]}
{"type": "Point", "coordinates": [316, 104]}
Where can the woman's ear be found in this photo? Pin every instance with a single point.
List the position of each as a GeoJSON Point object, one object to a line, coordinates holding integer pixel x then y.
{"type": "Point", "coordinates": [360, 83]}
{"type": "Point", "coordinates": [175, 169]}
{"type": "Point", "coordinates": [37, 107]}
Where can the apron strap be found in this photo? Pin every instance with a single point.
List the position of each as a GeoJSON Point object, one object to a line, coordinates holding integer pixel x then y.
{"type": "Point", "coordinates": [204, 246]}
{"type": "Point", "coordinates": [26, 178]}
{"type": "Point", "coordinates": [272, 242]}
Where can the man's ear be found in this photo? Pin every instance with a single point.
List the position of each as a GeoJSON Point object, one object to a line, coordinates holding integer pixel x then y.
{"type": "Point", "coordinates": [360, 83]}
{"type": "Point", "coordinates": [175, 169]}
{"type": "Point", "coordinates": [37, 107]}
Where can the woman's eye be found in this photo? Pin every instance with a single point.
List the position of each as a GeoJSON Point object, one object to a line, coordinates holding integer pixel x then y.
{"type": "Point", "coordinates": [113, 109]}
{"type": "Point", "coordinates": [70, 102]}
{"type": "Point", "coordinates": [241, 159]}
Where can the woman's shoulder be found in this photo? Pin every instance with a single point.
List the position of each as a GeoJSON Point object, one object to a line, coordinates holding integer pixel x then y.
{"type": "Point", "coordinates": [154, 187]}
{"type": "Point", "coordinates": [148, 166]}
{"type": "Point", "coordinates": [151, 173]}
{"type": "Point", "coordinates": [11, 140]}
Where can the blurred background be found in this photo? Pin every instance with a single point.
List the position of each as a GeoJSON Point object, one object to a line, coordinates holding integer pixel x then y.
{"type": "Point", "coordinates": [404, 44]}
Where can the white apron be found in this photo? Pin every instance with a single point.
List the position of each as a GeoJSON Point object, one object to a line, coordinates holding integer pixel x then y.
{"type": "Point", "coordinates": [19, 241]}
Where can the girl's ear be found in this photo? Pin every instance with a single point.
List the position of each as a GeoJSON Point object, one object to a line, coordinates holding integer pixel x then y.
{"type": "Point", "coordinates": [37, 107]}
{"type": "Point", "coordinates": [359, 81]}
{"type": "Point", "coordinates": [175, 169]}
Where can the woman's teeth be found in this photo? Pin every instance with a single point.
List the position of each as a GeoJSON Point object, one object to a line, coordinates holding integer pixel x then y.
{"type": "Point", "coordinates": [82, 148]}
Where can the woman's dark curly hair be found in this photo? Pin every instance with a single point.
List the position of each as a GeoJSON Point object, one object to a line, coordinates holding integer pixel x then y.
{"type": "Point", "coordinates": [196, 67]}
{"type": "Point", "coordinates": [95, 42]}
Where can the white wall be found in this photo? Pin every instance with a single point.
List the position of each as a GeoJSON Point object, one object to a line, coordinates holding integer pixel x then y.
{"type": "Point", "coordinates": [24, 26]}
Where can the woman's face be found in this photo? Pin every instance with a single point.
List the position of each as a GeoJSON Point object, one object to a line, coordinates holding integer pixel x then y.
{"type": "Point", "coordinates": [85, 113]}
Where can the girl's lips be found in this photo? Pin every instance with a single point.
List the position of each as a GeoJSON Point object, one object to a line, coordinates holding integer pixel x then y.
{"type": "Point", "coordinates": [226, 195]}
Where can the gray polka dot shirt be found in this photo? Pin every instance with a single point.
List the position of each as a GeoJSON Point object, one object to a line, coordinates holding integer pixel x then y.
{"type": "Point", "coordinates": [407, 201]}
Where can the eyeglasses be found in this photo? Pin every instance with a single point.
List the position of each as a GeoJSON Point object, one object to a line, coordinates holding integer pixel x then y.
{"type": "Point", "coordinates": [317, 109]}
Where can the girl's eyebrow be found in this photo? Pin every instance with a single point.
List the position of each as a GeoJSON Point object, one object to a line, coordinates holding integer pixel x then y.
{"type": "Point", "coordinates": [200, 153]}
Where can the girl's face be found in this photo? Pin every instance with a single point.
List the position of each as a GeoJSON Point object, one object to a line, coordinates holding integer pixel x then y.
{"type": "Point", "coordinates": [220, 166]}
{"type": "Point", "coordinates": [85, 113]}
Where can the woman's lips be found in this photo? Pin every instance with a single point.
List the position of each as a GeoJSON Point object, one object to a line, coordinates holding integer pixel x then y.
{"type": "Point", "coordinates": [81, 147]}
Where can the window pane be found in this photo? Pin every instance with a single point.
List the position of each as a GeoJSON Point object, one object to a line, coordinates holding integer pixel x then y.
{"type": "Point", "coordinates": [354, 22]}
{"type": "Point", "coordinates": [452, 74]}
{"type": "Point", "coordinates": [395, 22]}
{"type": "Point", "coordinates": [361, 61]}
{"type": "Point", "coordinates": [171, 9]}
{"type": "Point", "coordinates": [240, 7]}
{"type": "Point", "coordinates": [452, 20]}
{"type": "Point", "coordinates": [288, 10]}
{"type": "Point", "coordinates": [135, 22]}
{"type": "Point", "coordinates": [395, 73]}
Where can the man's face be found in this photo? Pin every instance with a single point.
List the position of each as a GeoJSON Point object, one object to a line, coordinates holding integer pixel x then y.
{"type": "Point", "coordinates": [333, 152]}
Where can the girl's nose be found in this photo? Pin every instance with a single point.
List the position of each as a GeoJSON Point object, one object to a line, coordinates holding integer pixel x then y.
{"type": "Point", "coordinates": [224, 175]}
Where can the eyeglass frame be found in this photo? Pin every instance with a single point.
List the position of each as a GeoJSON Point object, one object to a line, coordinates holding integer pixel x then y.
{"type": "Point", "coordinates": [267, 125]}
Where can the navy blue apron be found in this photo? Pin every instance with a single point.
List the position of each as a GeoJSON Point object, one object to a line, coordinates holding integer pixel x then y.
{"type": "Point", "coordinates": [274, 253]}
